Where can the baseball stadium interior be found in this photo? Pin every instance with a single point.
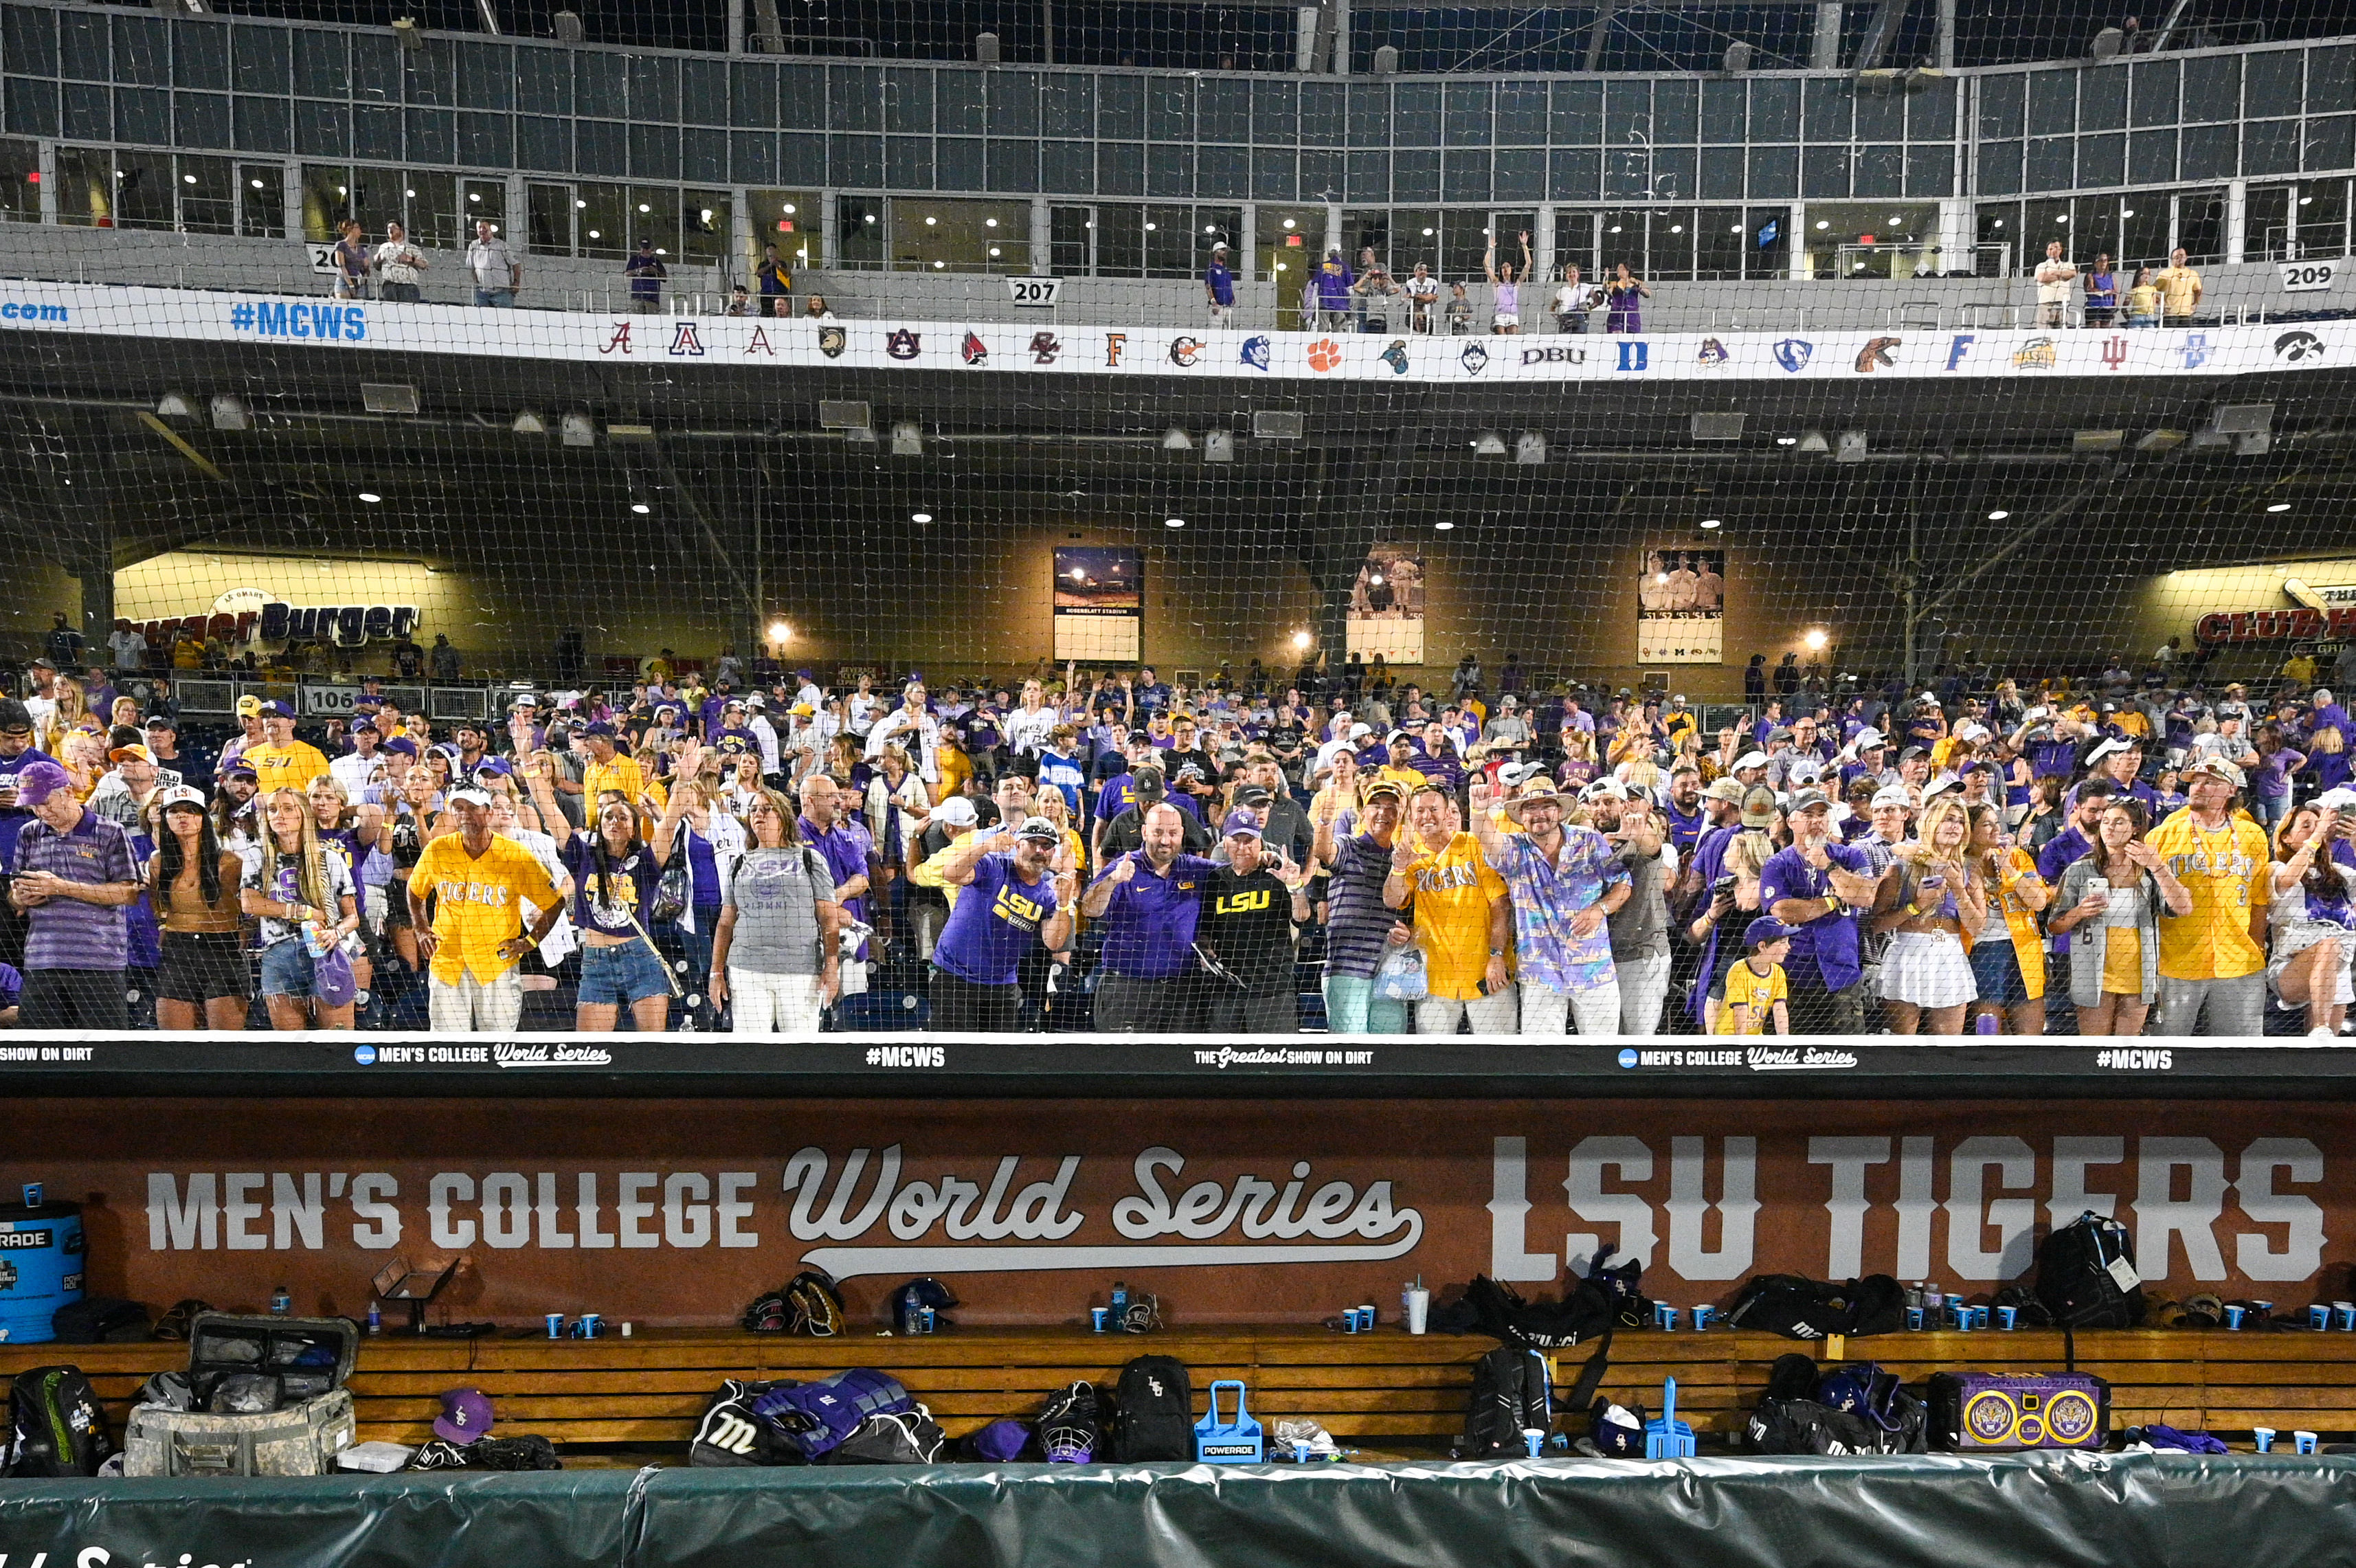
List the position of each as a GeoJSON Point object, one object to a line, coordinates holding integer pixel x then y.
{"type": "Point", "coordinates": [760, 759]}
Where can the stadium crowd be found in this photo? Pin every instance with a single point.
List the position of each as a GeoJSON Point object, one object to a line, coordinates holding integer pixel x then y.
{"type": "Point", "coordinates": [1267, 853]}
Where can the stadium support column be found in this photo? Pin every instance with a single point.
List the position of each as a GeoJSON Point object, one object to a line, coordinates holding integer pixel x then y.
{"type": "Point", "coordinates": [2237, 221]}
{"type": "Point", "coordinates": [1545, 238]}
{"type": "Point", "coordinates": [1824, 45]}
{"type": "Point", "coordinates": [1946, 56]}
{"type": "Point", "coordinates": [735, 26]}
{"type": "Point", "coordinates": [1043, 238]}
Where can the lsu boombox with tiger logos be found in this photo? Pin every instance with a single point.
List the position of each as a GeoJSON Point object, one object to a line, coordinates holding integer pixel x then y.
{"type": "Point", "coordinates": [1982, 1412]}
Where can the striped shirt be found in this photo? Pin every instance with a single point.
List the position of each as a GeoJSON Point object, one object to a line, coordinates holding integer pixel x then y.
{"type": "Point", "coordinates": [66, 933]}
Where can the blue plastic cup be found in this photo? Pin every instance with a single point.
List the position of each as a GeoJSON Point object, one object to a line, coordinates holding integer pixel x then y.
{"type": "Point", "coordinates": [2233, 1316]}
{"type": "Point", "coordinates": [2344, 1316]}
{"type": "Point", "coordinates": [2319, 1317]}
{"type": "Point", "coordinates": [1096, 1316]}
{"type": "Point", "coordinates": [2007, 1317]}
{"type": "Point", "coordinates": [2263, 1436]}
{"type": "Point", "coordinates": [1536, 1440]}
{"type": "Point", "coordinates": [556, 1325]}
{"type": "Point", "coordinates": [1667, 1315]}
{"type": "Point", "coordinates": [1702, 1315]}
{"type": "Point", "coordinates": [593, 1324]}
{"type": "Point", "coordinates": [2303, 1442]}
{"type": "Point", "coordinates": [1914, 1317]}
{"type": "Point", "coordinates": [1300, 1453]}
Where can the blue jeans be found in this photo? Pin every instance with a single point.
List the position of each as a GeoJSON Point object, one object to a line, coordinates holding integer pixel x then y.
{"type": "Point", "coordinates": [287, 969]}
{"type": "Point", "coordinates": [620, 975]}
{"type": "Point", "coordinates": [1353, 1008]}
{"type": "Point", "coordinates": [498, 296]}
{"type": "Point", "coordinates": [2268, 811]}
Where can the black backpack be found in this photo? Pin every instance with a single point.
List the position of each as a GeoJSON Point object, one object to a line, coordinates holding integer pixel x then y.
{"type": "Point", "coordinates": [1153, 1412]}
{"type": "Point", "coordinates": [732, 1435]}
{"type": "Point", "coordinates": [1800, 1308]}
{"type": "Point", "coordinates": [56, 1428]}
{"type": "Point", "coordinates": [1853, 1408]}
{"type": "Point", "coordinates": [1511, 1394]}
{"type": "Point", "coordinates": [902, 1437]}
{"type": "Point", "coordinates": [2075, 1281]}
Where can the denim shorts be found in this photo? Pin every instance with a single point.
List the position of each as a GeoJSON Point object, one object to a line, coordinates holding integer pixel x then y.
{"type": "Point", "coordinates": [1997, 968]}
{"type": "Point", "coordinates": [629, 972]}
{"type": "Point", "coordinates": [286, 969]}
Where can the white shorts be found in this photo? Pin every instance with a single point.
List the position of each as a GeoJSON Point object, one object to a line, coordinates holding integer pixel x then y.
{"type": "Point", "coordinates": [1928, 968]}
{"type": "Point", "coordinates": [1500, 321]}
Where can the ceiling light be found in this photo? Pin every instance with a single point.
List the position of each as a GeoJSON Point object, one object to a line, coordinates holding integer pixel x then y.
{"type": "Point", "coordinates": [780, 632]}
{"type": "Point", "coordinates": [1175, 439]}
{"type": "Point", "coordinates": [1786, 440]}
{"type": "Point", "coordinates": [1824, 224]}
{"type": "Point", "coordinates": [370, 496]}
{"type": "Point", "coordinates": [1443, 526]}
{"type": "Point", "coordinates": [1813, 442]}
{"type": "Point", "coordinates": [989, 222]}
{"type": "Point", "coordinates": [1816, 639]}
{"type": "Point", "coordinates": [641, 508]}
{"type": "Point", "coordinates": [1615, 228]}
{"type": "Point", "coordinates": [788, 209]}
{"type": "Point", "coordinates": [869, 219]}
{"type": "Point", "coordinates": [1489, 444]}
{"type": "Point", "coordinates": [1677, 227]}
{"type": "Point", "coordinates": [1210, 228]}
{"type": "Point", "coordinates": [1998, 515]}
{"type": "Point", "coordinates": [1300, 639]}
{"type": "Point", "coordinates": [1152, 228]}
{"type": "Point", "coordinates": [939, 265]}
{"type": "Point", "coordinates": [920, 517]}
{"type": "Point", "coordinates": [1427, 233]}
{"type": "Point", "coordinates": [1290, 224]}
{"type": "Point", "coordinates": [993, 250]}
{"type": "Point", "coordinates": [930, 222]}
{"type": "Point", "coordinates": [2279, 506]}
{"type": "Point", "coordinates": [1712, 522]}
{"type": "Point", "coordinates": [642, 205]}
{"type": "Point", "coordinates": [1174, 523]}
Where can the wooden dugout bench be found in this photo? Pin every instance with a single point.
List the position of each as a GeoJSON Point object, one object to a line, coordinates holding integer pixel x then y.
{"type": "Point", "coordinates": [1386, 1389]}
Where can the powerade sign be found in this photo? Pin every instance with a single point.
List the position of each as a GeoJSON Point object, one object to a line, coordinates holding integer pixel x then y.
{"type": "Point", "coordinates": [293, 318]}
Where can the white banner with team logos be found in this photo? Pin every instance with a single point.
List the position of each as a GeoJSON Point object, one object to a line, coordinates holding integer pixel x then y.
{"type": "Point", "coordinates": [328, 325]}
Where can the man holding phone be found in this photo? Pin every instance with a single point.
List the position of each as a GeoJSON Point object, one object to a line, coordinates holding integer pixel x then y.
{"type": "Point", "coordinates": [1640, 927]}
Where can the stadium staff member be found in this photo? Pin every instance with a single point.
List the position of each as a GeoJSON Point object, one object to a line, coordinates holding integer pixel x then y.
{"type": "Point", "coordinates": [281, 762]}
{"type": "Point", "coordinates": [72, 874]}
{"type": "Point", "coordinates": [479, 883]}
{"type": "Point", "coordinates": [1151, 901]}
{"type": "Point", "coordinates": [1020, 887]}
{"type": "Point", "coordinates": [2213, 961]}
{"type": "Point", "coordinates": [1256, 901]}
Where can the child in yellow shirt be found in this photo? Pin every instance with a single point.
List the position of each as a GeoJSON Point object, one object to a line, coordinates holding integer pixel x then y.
{"type": "Point", "coordinates": [1756, 990]}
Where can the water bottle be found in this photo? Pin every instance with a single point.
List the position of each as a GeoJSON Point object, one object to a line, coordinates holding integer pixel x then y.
{"type": "Point", "coordinates": [1934, 1302]}
{"type": "Point", "coordinates": [375, 1319]}
{"type": "Point", "coordinates": [1119, 1299]}
{"type": "Point", "coordinates": [1986, 1024]}
{"type": "Point", "coordinates": [912, 1309]}
{"type": "Point", "coordinates": [282, 1302]}
{"type": "Point", "coordinates": [1914, 1296]}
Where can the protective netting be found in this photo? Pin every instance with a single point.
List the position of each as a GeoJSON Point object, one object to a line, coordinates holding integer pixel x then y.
{"type": "Point", "coordinates": [1601, 497]}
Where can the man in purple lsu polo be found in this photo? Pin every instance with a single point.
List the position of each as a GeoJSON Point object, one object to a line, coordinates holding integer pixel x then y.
{"type": "Point", "coordinates": [73, 874]}
{"type": "Point", "coordinates": [1014, 896]}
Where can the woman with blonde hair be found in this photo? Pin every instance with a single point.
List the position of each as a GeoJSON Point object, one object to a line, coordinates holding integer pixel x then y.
{"type": "Point", "coordinates": [2118, 891]}
{"type": "Point", "coordinates": [774, 951]}
{"type": "Point", "coordinates": [71, 713]}
{"type": "Point", "coordinates": [1926, 975]}
{"type": "Point", "coordinates": [2312, 923]}
{"type": "Point", "coordinates": [1578, 769]}
{"type": "Point", "coordinates": [305, 898]}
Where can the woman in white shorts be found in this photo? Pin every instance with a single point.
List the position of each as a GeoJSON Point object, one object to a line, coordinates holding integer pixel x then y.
{"type": "Point", "coordinates": [1927, 976]}
{"type": "Point", "coordinates": [2311, 923]}
{"type": "Point", "coordinates": [1505, 279]}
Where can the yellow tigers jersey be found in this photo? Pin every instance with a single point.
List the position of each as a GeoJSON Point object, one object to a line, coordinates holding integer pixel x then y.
{"type": "Point", "coordinates": [2220, 870]}
{"type": "Point", "coordinates": [289, 766]}
{"type": "Point", "coordinates": [1450, 893]}
{"type": "Point", "coordinates": [479, 902]}
{"type": "Point", "coordinates": [1758, 992]}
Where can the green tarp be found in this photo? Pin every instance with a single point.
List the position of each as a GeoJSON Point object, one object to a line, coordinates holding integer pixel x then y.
{"type": "Point", "coordinates": [2034, 1511]}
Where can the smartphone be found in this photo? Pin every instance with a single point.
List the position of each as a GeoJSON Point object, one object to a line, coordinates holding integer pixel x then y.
{"type": "Point", "coordinates": [1723, 887]}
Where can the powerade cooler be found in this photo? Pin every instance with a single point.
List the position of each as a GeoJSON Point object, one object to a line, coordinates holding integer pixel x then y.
{"type": "Point", "coordinates": [40, 1266]}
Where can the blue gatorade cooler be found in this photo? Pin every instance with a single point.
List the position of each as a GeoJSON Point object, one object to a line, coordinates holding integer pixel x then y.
{"type": "Point", "coordinates": [40, 1267]}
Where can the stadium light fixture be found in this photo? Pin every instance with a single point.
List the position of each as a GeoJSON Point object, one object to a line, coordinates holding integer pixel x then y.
{"type": "Point", "coordinates": [1218, 447]}
{"type": "Point", "coordinates": [1174, 523]}
{"type": "Point", "coordinates": [1443, 526]}
{"type": "Point", "coordinates": [1175, 439]}
{"type": "Point", "coordinates": [1998, 515]}
{"type": "Point", "coordinates": [907, 438]}
{"type": "Point", "coordinates": [1713, 523]}
{"type": "Point", "coordinates": [230, 412]}
{"type": "Point", "coordinates": [1812, 442]}
{"type": "Point", "coordinates": [920, 517]}
{"type": "Point", "coordinates": [1300, 640]}
{"type": "Point", "coordinates": [528, 422]}
{"type": "Point", "coordinates": [1816, 639]}
{"type": "Point", "coordinates": [641, 508]}
{"type": "Point", "coordinates": [175, 405]}
{"type": "Point", "coordinates": [370, 496]}
{"type": "Point", "coordinates": [1489, 444]}
{"type": "Point", "coordinates": [1529, 447]}
{"type": "Point", "coordinates": [780, 632]}
{"type": "Point", "coordinates": [2279, 506]}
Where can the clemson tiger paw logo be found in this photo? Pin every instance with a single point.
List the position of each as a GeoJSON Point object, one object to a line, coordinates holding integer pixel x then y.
{"type": "Point", "coordinates": [1324, 354]}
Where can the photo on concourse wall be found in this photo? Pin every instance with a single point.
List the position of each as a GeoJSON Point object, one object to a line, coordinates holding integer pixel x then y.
{"type": "Point", "coordinates": [1099, 603]}
{"type": "Point", "coordinates": [1681, 608]}
{"type": "Point", "coordinates": [1385, 618]}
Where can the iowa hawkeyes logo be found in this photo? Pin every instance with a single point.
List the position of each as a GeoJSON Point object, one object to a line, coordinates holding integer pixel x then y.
{"type": "Point", "coordinates": [2299, 346]}
{"type": "Point", "coordinates": [831, 341]}
{"type": "Point", "coordinates": [1875, 356]}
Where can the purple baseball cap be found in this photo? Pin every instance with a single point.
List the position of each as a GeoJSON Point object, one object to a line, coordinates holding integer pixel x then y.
{"type": "Point", "coordinates": [1241, 825]}
{"type": "Point", "coordinates": [598, 727]}
{"type": "Point", "coordinates": [466, 1415]}
{"type": "Point", "coordinates": [276, 711]}
{"type": "Point", "coordinates": [36, 781]}
{"type": "Point", "coordinates": [401, 746]}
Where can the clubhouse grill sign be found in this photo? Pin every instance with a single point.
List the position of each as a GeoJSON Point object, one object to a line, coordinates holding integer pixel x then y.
{"type": "Point", "coordinates": [679, 1213]}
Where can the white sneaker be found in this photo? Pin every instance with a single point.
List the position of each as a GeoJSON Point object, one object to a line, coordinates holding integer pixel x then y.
{"type": "Point", "coordinates": [2320, 1032]}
